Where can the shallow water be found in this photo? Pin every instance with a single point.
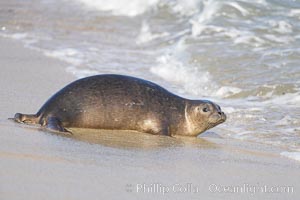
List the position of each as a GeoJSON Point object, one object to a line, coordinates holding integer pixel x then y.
{"type": "Point", "coordinates": [242, 54]}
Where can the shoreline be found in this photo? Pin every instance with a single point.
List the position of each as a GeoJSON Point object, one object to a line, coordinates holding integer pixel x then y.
{"type": "Point", "coordinates": [39, 165]}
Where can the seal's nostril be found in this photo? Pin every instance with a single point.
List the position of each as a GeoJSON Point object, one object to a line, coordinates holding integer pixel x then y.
{"type": "Point", "coordinates": [220, 113]}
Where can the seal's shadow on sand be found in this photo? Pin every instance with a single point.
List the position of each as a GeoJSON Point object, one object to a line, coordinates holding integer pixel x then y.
{"type": "Point", "coordinates": [133, 139]}
{"type": "Point", "coordinates": [123, 139]}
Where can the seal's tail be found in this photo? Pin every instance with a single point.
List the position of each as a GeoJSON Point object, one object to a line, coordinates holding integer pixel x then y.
{"type": "Point", "coordinates": [26, 119]}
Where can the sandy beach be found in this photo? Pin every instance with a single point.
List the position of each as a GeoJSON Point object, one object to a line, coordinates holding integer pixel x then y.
{"type": "Point", "coordinates": [36, 164]}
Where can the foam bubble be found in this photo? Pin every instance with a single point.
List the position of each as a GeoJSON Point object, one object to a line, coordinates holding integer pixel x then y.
{"type": "Point", "coordinates": [238, 36]}
{"type": "Point", "coordinates": [281, 26]}
{"type": "Point", "coordinates": [238, 7]}
{"type": "Point", "coordinates": [174, 71]}
{"type": "Point", "coordinates": [226, 91]}
{"type": "Point", "coordinates": [15, 36]}
{"type": "Point", "coordinates": [187, 7]}
{"type": "Point", "coordinates": [249, 39]}
{"type": "Point", "coordinates": [291, 155]}
{"type": "Point", "coordinates": [229, 109]}
{"type": "Point", "coordinates": [294, 13]}
{"type": "Point", "coordinates": [175, 68]}
{"type": "Point", "coordinates": [287, 99]}
{"type": "Point", "coordinates": [287, 120]}
{"type": "Point", "coordinates": [116, 7]}
{"type": "Point", "coordinates": [146, 35]}
{"type": "Point", "coordinates": [19, 36]}
{"type": "Point", "coordinates": [198, 29]}
{"type": "Point", "coordinates": [81, 73]}
{"type": "Point", "coordinates": [210, 8]}
{"type": "Point", "coordinates": [69, 55]}
{"type": "Point", "coordinates": [279, 39]}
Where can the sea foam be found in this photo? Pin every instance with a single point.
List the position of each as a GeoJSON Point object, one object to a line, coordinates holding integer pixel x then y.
{"type": "Point", "coordinates": [174, 67]}
{"type": "Point", "coordinates": [146, 35]}
{"type": "Point", "coordinates": [127, 8]}
{"type": "Point", "coordinates": [69, 55]}
{"type": "Point", "coordinates": [291, 155]}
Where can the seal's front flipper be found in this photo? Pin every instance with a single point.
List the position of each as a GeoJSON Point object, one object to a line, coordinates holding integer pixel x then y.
{"type": "Point", "coordinates": [54, 124]}
{"type": "Point", "coordinates": [26, 119]}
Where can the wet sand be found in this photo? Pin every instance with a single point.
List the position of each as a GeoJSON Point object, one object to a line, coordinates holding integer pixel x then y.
{"type": "Point", "coordinates": [36, 164]}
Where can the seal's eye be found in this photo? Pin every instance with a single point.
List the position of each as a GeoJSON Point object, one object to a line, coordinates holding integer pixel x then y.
{"type": "Point", "coordinates": [206, 109]}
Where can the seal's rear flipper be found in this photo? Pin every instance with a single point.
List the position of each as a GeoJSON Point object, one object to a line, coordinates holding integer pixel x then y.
{"type": "Point", "coordinates": [54, 124]}
{"type": "Point", "coordinates": [26, 119]}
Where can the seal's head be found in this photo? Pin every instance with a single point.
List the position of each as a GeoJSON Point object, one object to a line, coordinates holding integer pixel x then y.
{"type": "Point", "coordinates": [203, 115]}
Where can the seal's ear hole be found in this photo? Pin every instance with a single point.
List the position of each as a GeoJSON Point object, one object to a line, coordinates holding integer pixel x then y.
{"type": "Point", "coordinates": [198, 108]}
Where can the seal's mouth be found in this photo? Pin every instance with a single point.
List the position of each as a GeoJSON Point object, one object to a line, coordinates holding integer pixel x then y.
{"type": "Point", "coordinates": [219, 118]}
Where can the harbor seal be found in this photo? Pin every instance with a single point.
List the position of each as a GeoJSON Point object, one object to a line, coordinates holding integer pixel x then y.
{"type": "Point", "coordinates": [119, 102]}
